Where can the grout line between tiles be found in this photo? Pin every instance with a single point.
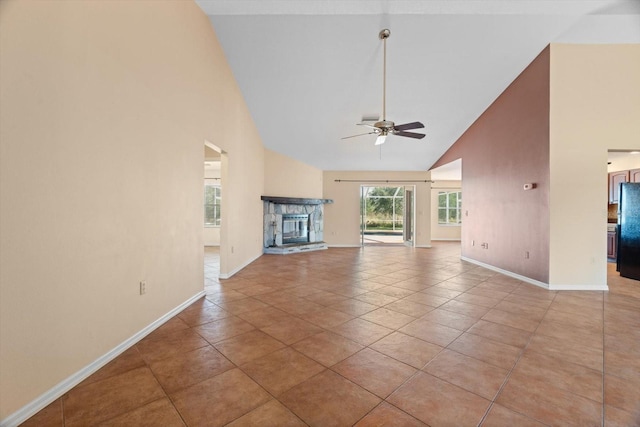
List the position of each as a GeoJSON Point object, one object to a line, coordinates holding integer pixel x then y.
{"type": "Point", "coordinates": [504, 383]}
{"type": "Point", "coordinates": [323, 329]}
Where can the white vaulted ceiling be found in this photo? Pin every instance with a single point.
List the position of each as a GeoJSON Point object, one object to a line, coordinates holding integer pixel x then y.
{"type": "Point", "coordinates": [310, 69]}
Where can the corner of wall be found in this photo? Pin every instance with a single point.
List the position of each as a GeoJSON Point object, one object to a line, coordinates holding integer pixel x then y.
{"type": "Point", "coordinates": [595, 103]}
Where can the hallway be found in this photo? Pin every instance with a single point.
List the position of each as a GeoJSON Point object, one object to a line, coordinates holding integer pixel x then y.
{"type": "Point", "coordinates": [211, 265]}
{"type": "Point", "coordinates": [375, 336]}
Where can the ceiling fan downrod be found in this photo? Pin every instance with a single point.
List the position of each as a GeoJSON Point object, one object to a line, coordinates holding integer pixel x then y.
{"type": "Point", "coordinates": [384, 35]}
{"type": "Point", "coordinates": [383, 128]}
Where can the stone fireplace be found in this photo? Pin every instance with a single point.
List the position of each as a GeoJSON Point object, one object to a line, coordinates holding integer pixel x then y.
{"type": "Point", "coordinates": [293, 224]}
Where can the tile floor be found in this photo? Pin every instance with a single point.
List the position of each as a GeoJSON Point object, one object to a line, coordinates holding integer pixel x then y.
{"type": "Point", "coordinates": [381, 336]}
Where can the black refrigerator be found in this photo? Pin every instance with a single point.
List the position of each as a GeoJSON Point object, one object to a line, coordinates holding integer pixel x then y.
{"type": "Point", "coordinates": [629, 230]}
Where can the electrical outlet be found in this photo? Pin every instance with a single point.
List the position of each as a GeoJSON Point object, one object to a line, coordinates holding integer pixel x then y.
{"type": "Point", "coordinates": [231, 249]}
{"type": "Point", "coordinates": [526, 254]}
{"type": "Point", "coordinates": [473, 243]}
{"type": "Point", "coordinates": [143, 287]}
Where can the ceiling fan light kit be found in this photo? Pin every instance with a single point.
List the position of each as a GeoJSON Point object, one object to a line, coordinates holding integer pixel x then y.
{"type": "Point", "coordinates": [385, 127]}
{"type": "Point", "coordinates": [381, 138]}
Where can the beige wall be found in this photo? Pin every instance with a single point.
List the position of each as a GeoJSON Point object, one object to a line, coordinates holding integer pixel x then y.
{"type": "Point", "coordinates": [595, 106]}
{"type": "Point", "coordinates": [287, 177]}
{"type": "Point", "coordinates": [110, 103]}
{"type": "Point", "coordinates": [342, 218]}
{"type": "Point", "coordinates": [439, 231]}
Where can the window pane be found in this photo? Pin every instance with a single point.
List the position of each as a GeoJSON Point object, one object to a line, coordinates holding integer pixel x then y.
{"type": "Point", "coordinates": [453, 216]}
{"type": "Point", "coordinates": [209, 215]}
{"type": "Point", "coordinates": [209, 194]}
{"type": "Point", "coordinates": [442, 200]}
{"type": "Point", "coordinates": [212, 198]}
{"type": "Point", "coordinates": [442, 216]}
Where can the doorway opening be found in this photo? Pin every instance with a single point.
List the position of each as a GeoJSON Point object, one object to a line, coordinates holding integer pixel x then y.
{"type": "Point", "coordinates": [386, 215]}
{"type": "Point", "coordinates": [212, 203]}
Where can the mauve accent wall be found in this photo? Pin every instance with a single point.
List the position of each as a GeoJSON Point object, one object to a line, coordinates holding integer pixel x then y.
{"type": "Point", "coordinates": [505, 148]}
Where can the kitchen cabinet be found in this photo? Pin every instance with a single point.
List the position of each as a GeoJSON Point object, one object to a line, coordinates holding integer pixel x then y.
{"type": "Point", "coordinates": [615, 179]}
{"type": "Point", "coordinates": [612, 251]}
{"type": "Point", "coordinates": [634, 175]}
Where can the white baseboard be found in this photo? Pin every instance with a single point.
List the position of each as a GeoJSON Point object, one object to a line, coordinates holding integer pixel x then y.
{"type": "Point", "coordinates": [446, 240]}
{"type": "Point", "coordinates": [234, 271]}
{"type": "Point", "coordinates": [360, 246]}
{"type": "Point", "coordinates": [578, 287]}
{"type": "Point", "coordinates": [67, 384]}
{"type": "Point", "coordinates": [507, 273]}
{"type": "Point", "coordinates": [538, 283]}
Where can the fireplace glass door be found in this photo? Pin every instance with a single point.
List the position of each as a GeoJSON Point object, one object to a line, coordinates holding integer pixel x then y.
{"type": "Point", "coordinates": [295, 228]}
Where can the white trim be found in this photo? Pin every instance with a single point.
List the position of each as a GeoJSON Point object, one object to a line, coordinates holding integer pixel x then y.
{"type": "Point", "coordinates": [228, 275]}
{"type": "Point", "coordinates": [447, 240]}
{"type": "Point", "coordinates": [345, 246]}
{"type": "Point", "coordinates": [423, 246]}
{"type": "Point", "coordinates": [578, 287]}
{"type": "Point", "coordinates": [507, 273]}
{"type": "Point", "coordinates": [39, 403]}
{"type": "Point", "coordinates": [537, 283]}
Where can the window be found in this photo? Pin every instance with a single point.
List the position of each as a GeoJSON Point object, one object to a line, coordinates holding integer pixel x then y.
{"type": "Point", "coordinates": [211, 205]}
{"type": "Point", "coordinates": [449, 207]}
{"type": "Point", "coordinates": [382, 208]}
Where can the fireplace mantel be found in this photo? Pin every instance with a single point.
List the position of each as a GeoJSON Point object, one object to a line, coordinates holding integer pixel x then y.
{"type": "Point", "coordinates": [295, 200]}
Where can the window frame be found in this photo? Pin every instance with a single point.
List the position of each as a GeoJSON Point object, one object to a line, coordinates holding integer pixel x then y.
{"type": "Point", "coordinates": [448, 208]}
{"type": "Point", "coordinates": [217, 200]}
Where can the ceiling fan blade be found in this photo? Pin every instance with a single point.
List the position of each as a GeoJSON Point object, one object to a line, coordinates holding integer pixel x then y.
{"type": "Point", "coordinates": [360, 134]}
{"type": "Point", "coordinates": [410, 134]}
{"type": "Point", "coordinates": [407, 126]}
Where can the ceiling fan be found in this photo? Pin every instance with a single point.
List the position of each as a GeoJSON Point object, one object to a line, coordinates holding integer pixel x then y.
{"type": "Point", "coordinates": [384, 127]}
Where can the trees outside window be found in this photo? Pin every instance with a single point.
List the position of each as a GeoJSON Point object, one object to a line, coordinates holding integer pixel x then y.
{"type": "Point", "coordinates": [383, 208]}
